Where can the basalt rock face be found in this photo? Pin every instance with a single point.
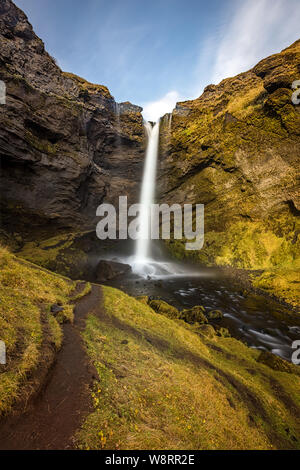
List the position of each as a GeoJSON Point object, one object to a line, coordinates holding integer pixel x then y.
{"type": "Point", "coordinates": [64, 149]}
{"type": "Point", "coordinates": [236, 150]}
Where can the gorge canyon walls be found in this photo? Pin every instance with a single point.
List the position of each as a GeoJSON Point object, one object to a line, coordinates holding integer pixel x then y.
{"type": "Point", "coordinates": [236, 149]}
{"type": "Point", "coordinates": [63, 148]}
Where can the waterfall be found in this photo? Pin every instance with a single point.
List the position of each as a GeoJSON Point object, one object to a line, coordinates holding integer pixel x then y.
{"type": "Point", "coordinates": [147, 193]}
{"type": "Point", "coordinates": [147, 261]}
{"type": "Point", "coordinates": [143, 262]}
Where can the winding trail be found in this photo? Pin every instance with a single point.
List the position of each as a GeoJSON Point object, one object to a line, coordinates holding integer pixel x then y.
{"type": "Point", "coordinates": [53, 417]}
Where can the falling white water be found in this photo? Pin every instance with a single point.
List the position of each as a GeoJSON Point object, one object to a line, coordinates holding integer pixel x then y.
{"type": "Point", "coordinates": [147, 193]}
{"type": "Point", "coordinates": [142, 262]}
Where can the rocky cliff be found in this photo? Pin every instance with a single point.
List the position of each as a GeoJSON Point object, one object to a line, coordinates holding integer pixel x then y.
{"type": "Point", "coordinates": [65, 144]}
{"type": "Point", "coordinates": [236, 150]}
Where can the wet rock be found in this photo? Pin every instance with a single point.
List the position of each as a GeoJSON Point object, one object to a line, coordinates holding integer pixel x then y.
{"type": "Point", "coordinates": [194, 315]}
{"type": "Point", "coordinates": [158, 284]}
{"type": "Point", "coordinates": [162, 307]}
{"type": "Point", "coordinates": [107, 270]}
{"type": "Point", "coordinates": [215, 315]}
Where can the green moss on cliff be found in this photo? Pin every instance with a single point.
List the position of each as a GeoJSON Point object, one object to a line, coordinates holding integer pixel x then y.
{"type": "Point", "coordinates": [253, 245]}
{"type": "Point", "coordinates": [236, 151]}
{"type": "Point", "coordinates": [41, 144]}
{"type": "Point", "coordinates": [283, 283]}
{"type": "Point", "coordinates": [88, 86]}
{"type": "Point", "coordinates": [58, 254]}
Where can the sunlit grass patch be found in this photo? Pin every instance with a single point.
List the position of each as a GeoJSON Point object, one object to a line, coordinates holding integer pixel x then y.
{"type": "Point", "coordinates": [26, 295]}
{"type": "Point", "coordinates": [162, 387]}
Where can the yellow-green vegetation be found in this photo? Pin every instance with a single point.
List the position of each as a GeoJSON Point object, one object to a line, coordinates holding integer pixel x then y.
{"type": "Point", "coordinates": [41, 144]}
{"type": "Point", "coordinates": [86, 290]}
{"type": "Point", "coordinates": [66, 315]}
{"type": "Point", "coordinates": [87, 86]}
{"type": "Point", "coordinates": [254, 246]}
{"type": "Point", "coordinates": [163, 386]}
{"type": "Point", "coordinates": [235, 149]}
{"type": "Point", "coordinates": [143, 298]}
{"type": "Point", "coordinates": [283, 283]}
{"type": "Point", "coordinates": [194, 315]}
{"type": "Point", "coordinates": [30, 332]}
{"type": "Point", "coordinates": [57, 253]}
{"type": "Point", "coordinates": [275, 362]}
{"type": "Point", "coordinates": [162, 307]}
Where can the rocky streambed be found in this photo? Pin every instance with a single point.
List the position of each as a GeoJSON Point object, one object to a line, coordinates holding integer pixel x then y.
{"type": "Point", "coordinates": [258, 321]}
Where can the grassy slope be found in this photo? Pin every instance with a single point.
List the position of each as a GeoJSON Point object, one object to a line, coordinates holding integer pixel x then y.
{"type": "Point", "coordinates": [163, 386]}
{"type": "Point", "coordinates": [160, 384]}
{"type": "Point", "coordinates": [31, 334]}
{"type": "Point", "coordinates": [57, 253]}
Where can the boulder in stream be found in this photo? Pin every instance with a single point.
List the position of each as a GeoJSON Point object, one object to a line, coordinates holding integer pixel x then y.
{"type": "Point", "coordinates": [107, 270]}
{"type": "Point", "coordinates": [194, 315]}
{"type": "Point", "coordinates": [215, 315]}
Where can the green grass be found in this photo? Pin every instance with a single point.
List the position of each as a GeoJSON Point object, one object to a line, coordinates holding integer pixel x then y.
{"type": "Point", "coordinates": [26, 325]}
{"type": "Point", "coordinates": [57, 254]}
{"type": "Point", "coordinates": [162, 386]}
{"type": "Point", "coordinates": [86, 290]}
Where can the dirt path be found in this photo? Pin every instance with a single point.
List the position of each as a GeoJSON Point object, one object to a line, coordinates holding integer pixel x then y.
{"type": "Point", "coordinates": [52, 419]}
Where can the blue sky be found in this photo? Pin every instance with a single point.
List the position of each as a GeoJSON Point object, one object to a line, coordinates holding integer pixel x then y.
{"type": "Point", "coordinates": [154, 53]}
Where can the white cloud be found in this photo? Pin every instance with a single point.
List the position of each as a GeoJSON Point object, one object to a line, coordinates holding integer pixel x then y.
{"type": "Point", "coordinates": [153, 110]}
{"type": "Point", "coordinates": [258, 28]}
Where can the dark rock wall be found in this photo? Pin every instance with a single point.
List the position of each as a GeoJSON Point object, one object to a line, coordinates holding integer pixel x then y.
{"type": "Point", "coordinates": [63, 149]}
{"type": "Point", "coordinates": [236, 149]}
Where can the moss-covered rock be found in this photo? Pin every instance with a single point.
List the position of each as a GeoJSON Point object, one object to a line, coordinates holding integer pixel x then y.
{"type": "Point", "coordinates": [215, 315]}
{"type": "Point", "coordinates": [283, 283]}
{"type": "Point", "coordinates": [162, 307]}
{"type": "Point", "coordinates": [206, 330]}
{"type": "Point", "coordinates": [60, 253]}
{"type": "Point", "coordinates": [223, 332]}
{"type": "Point", "coordinates": [194, 315]}
{"type": "Point", "coordinates": [275, 362]}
